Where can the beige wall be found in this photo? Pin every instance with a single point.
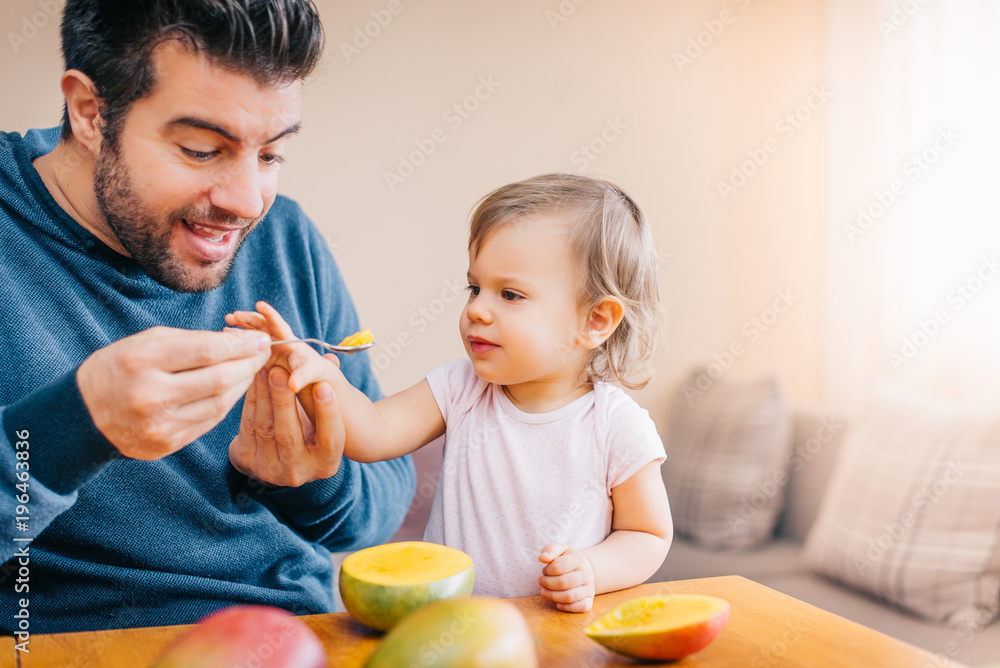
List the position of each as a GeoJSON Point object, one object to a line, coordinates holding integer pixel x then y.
{"type": "Point", "coordinates": [671, 133]}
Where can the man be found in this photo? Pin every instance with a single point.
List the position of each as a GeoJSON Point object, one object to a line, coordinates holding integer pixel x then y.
{"type": "Point", "coordinates": [132, 491]}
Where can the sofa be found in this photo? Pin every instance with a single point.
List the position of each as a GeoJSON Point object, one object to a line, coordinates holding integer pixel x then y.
{"type": "Point", "coordinates": [778, 562]}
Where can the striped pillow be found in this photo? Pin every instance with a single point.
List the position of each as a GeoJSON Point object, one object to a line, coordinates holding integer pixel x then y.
{"type": "Point", "coordinates": [912, 510]}
{"type": "Point", "coordinates": [727, 456]}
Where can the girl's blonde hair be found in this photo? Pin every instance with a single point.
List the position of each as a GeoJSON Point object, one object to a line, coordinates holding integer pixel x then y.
{"type": "Point", "coordinates": [613, 246]}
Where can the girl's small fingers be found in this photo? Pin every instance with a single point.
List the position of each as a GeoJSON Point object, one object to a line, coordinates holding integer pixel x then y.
{"type": "Point", "coordinates": [583, 605]}
{"type": "Point", "coordinates": [562, 582]}
{"type": "Point", "coordinates": [279, 328]}
{"type": "Point", "coordinates": [551, 551]}
{"type": "Point", "coordinates": [249, 317]}
{"type": "Point", "coordinates": [567, 596]}
{"type": "Point", "coordinates": [561, 565]}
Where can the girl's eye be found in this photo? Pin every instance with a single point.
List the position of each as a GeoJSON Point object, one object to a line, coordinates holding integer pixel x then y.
{"type": "Point", "coordinates": [510, 296]}
{"type": "Point", "coordinates": [269, 159]}
{"type": "Point", "coordinates": [474, 289]}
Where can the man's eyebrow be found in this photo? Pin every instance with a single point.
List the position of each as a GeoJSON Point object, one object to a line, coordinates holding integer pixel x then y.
{"type": "Point", "coordinates": [202, 124]}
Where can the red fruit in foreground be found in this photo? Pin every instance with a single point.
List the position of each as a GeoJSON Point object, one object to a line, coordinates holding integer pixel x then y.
{"type": "Point", "coordinates": [246, 635]}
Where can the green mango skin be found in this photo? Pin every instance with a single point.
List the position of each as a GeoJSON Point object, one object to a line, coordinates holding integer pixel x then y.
{"type": "Point", "coordinates": [459, 633]}
{"type": "Point", "coordinates": [381, 606]}
{"type": "Point", "coordinates": [240, 635]}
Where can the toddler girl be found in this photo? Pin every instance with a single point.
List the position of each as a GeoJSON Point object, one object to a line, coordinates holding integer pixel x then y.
{"type": "Point", "coordinates": [551, 474]}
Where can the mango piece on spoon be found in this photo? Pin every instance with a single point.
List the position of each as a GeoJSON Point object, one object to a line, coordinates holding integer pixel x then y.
{"type": "Point", "coordinates": [358, 339]}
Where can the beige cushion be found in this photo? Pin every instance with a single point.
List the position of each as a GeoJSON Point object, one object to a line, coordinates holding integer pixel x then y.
{"type": "Point", "coordinates": [727, 451]}
{"type": "Point", "coordinates": [912, 511]}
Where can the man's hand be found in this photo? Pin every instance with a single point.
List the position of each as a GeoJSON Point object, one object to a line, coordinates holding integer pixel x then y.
{"type": "Point", "coordinates": [568, 578]}
{"type": "Point", "coordinates": [155, 392]}
{"type": "Point", "coordinates": [305, 365]}
{"type": "Point", "coordinates": [277, 443]}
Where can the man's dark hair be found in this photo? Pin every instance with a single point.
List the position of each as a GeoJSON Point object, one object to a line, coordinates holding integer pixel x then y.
{"type": "Point", "coordinates": [112, 42]}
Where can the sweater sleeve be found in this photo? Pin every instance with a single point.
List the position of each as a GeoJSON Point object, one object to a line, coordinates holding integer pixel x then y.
{"type": "Point", "coordinates": [360, 506]}
{"type": "Point", "coordinates": [49, 448]}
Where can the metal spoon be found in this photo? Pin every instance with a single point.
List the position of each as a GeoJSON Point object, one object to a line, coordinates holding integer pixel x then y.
{"type": "Point", "coordinates": [346, 350]}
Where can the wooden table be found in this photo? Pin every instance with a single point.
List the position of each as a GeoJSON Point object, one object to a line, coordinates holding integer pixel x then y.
{"type": "Point", "coordinates": [766, 629]}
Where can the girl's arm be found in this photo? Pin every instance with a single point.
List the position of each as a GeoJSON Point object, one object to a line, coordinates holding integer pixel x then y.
{"type": "Point", "coordinates": [641, 533]}
{"type": "Point", "coordinates": [390, 428]}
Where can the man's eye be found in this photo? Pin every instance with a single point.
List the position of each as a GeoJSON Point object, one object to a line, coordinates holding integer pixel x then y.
{"type": "Point", "coordinates": [474, 289]}
{"type": "Point", "coordinates": [510, 296]}
{"type": "Point", "coordinates": [198, 155]}
{"type": "Point", "coordinates": [269, 159]}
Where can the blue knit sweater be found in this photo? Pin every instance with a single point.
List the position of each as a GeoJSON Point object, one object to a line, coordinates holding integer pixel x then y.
{"type": "Point", "coordinates": [121, 543]}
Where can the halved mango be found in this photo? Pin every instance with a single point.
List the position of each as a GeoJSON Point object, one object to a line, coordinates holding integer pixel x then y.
{"type": "Point", "coordinates": [382, 584]}
{"type": "Point", "coordinates": [358, 338]}
{"type": "Point", "coordinates": [664, 627]}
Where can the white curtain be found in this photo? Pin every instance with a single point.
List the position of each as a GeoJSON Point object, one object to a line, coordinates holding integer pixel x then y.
{"type": "Point", "coordinates": [912, 249]}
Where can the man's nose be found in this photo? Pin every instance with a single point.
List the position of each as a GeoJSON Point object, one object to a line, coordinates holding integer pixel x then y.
{"type": "Point", "coordinates": [239, 189]}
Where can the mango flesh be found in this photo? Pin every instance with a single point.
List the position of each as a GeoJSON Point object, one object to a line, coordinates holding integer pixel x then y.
{"type": "Point", "coordinates": [662, 628]}
{"type": "Point", "coordinates": [358, 339]}
{"type": "Point", "coordinates": [469, 632]}
{"type": "Point", "coordinates": [246, 635]}
{"type": "Point", "coordinates": [382, 584]}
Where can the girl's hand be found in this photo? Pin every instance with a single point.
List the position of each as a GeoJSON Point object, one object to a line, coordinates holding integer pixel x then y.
{"type": "Point", "coordinates": [568, 578]}
{"type": "Point", "coordinates": [304, 365]}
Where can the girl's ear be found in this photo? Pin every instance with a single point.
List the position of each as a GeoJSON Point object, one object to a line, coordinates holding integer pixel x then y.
{"type": "Point", "coordinates": [601, 322]}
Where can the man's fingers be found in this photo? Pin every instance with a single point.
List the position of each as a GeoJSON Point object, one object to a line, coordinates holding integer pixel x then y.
{"type": "Point", "coordinates": [245, 443]}
{"type": "Point", "coordinates": [287, 426]}
{"type": "Point", "coordinates": [330, 432]}
{"type": "Point", "coordinates": [183, 350]}
{"type": "Point", "coordinates": [219, 379]}
{"type": "Point", "coordinates": [182, 425]}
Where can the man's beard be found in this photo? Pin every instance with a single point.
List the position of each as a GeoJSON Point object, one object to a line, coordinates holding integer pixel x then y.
{"type": "Point", "coordinates": [146, 237]}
